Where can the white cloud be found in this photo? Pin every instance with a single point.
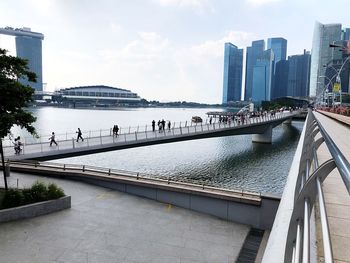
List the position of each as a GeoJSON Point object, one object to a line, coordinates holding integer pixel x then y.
{"type": "Point", "coordinates": [201, 6]}
{"type": "Point", "coordinates": [258, 3]}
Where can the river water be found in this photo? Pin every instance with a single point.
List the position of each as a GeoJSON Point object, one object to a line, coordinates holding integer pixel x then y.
{"type": "Point", "coordinates": [230, 162]}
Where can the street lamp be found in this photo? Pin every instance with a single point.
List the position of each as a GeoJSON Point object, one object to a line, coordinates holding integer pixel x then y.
{"type": "Point", "coordinates": [338, 79]}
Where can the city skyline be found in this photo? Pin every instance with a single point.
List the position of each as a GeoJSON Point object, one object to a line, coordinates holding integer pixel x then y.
{"type": "Point", "coordinates": [166, 50]}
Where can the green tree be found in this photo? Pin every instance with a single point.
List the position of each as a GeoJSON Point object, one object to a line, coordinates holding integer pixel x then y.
{"type": "Point", "coordinates": [14, 97]}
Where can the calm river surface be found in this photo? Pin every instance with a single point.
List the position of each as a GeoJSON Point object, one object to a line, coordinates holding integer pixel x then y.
{"type": "Point", "coordinates": [229, 162]}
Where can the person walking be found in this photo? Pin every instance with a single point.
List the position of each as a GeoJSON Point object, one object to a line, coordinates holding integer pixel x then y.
{"type": "Point", "coordinates": [153, 125]}
{"type": "Point", "coordinates": [113, 130]}
{"type": "Point", "coordinates": [116, 130]}
{"type": "Point", "coordinates": [169, 125]}
{"type": "Point", "coordinates": [79, 135]}
{"type": "Point", "coordinates": [210, 120]}
{"type": "Point", "coordinates": [52, 139]}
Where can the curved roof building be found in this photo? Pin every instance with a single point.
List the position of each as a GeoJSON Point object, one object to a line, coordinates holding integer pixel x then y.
{"type": "Point", "coordinates": [99, 94]}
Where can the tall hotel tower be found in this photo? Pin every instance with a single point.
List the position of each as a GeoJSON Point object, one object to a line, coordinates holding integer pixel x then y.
{"type": "Point", "coordinates": [233, 65]}
{"type": "Point", "coordinates": [321, 53]}
{"type": "Point", "coordinates": [28, 46]}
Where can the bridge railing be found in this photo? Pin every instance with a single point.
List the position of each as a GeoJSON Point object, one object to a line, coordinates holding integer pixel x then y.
{"type": "Point", "coordinates": [308, 192]}
{"type": "Point", "coordinates": [100, 137]}
{"type": "Point", "coordinates": [85, 170]}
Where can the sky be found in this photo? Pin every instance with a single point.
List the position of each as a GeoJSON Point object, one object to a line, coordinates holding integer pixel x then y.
{"type": "Point", "coordinates": [166, 50]}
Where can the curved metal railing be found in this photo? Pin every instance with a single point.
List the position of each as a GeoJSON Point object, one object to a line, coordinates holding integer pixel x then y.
{"type": "Point", "coordinates": [308, 191]}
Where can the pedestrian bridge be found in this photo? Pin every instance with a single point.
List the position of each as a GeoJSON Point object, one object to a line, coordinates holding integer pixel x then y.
{"type": "Point", "coordinates": [39, 149]}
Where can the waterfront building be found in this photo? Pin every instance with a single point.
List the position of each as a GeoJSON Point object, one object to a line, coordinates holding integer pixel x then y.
{"type": "Point", "coordinates": [252, 54]}
{"type": "Point", "coordinates": [299, 75]}
{"type": "Point", "coordinates": [280, 79]}
{"type": "Point", "coordinates": [233, 65]}
{"type": "Point", "coordinates": [28, 46]}
{"type": "Point", "coordinates": [263, 77]}
{"type": "Point", "coordinates": [321, 54]}
{"type": "Point", "coordinates": [97, 95]}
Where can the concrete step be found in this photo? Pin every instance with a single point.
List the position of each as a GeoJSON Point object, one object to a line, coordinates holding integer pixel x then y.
{"type": "Point", "coordinates": [251, 246]}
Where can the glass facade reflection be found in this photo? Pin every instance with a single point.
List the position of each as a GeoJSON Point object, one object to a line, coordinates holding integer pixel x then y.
{"type": "Point", "coordinates": [233, 65]}
{"type": "Point", "coordinates": [253, 53]}
{"type": "Point", "coordinates": [263, 77]}
{"type": "Point", "coordinates": [321, 53]}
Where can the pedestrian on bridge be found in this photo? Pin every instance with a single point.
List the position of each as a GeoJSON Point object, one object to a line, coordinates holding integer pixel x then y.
{"type": "Point", "coordinates": [116, 130]}
{"type": "Point", "coordinates": [153, 125]}
{"type": "Point", "coordinates": [52, 139]}
{"type": "Point", "coordinates": [169, 125]}
{"type": "Point", "coordinates": [79, 135]}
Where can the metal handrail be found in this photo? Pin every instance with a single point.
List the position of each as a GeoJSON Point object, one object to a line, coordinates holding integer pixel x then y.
{"type": "Point", "coordinates": [341, 162]}
{"type": "Point", "coordinates": [85, 169]}
{"type": "Point", "coordinates": [309, 190]}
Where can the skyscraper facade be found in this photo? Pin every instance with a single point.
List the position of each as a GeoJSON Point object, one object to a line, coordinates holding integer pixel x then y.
{"type": "Point", "coordinates": [253, 53]}
{"type": "Point", "coordinates": [233, 66]}
{"type": "Point", "coordinates": [298, 75]}
{"type": "Point", "coordinates": [280, 79]}
{"type": "Point", "coordinates": [28, 46]}
{"type": "Point", "coordinates": [321, 53]}
{"type": "Point", "coordinates": [279, 47]}
{"type": "Point", "coordinates": [263, 77]}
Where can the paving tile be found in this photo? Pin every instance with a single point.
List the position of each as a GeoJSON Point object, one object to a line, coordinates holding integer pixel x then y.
{"type": "Point", "coordinates": [108, 226]}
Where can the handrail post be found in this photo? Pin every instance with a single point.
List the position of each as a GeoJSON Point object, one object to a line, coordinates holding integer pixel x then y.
{"type": "Point", "coordinates": [306, 233]}
{"type": "Point", "coordinates": [327, 247]}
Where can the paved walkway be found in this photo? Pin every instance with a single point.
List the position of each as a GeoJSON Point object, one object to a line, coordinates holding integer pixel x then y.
{"type": "Point", "coordinates": [336, 196]}
{"type": "Point", "coordinates": [108, 226]}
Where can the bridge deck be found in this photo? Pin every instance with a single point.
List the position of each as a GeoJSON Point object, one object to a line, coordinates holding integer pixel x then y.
{"type": "Point", "coordinates": [68, 148]}
{"type": "Point", "coordinates": [336, 196]}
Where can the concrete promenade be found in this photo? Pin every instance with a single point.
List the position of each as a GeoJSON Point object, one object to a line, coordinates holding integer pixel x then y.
{"type": "Point", "coordinates": [109, 226]}
{"type": "Point", "coordinates": [336, 196]}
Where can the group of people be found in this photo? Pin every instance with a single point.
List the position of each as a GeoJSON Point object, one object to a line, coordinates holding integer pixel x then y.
{"type": "Point", "coordinates": [161, 125]}
{"type": "Point", "coordinates": [52, 138]}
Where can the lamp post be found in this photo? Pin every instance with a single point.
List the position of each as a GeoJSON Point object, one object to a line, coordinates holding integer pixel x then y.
{"type": "Point", "coordinates": [330, 81]}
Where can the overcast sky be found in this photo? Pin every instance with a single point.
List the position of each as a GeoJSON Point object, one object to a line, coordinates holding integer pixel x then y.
{"type": "Point", "coordinates": [166, 50]}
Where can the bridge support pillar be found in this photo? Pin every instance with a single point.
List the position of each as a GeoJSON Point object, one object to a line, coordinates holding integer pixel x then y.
{"type": "Point", "coordinates": [265, 137]}
{"type": "Point", "coordinates": [288, 121]}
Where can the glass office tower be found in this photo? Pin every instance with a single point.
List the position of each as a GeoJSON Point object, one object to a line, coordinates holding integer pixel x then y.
{"type": "Point", "coordinates": [279, 47]}
{"type": "Point", "coordinates": [321, 54]}
{"type": "Point", "coordinates": [253, 53]}
{"type": "Point", "coordinates": [233, 66]}
{"type": "Point", "coordinates": [281, 79]}
{"type": "Point", "coordinates": [299, 75]}
{"type": "Point", "coordinates": [263, 77]}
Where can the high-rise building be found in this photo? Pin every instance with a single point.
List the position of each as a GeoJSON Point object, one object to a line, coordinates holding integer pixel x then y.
{"type": "Point", "coordinates": [253, 53]}
{"type": "Point", "coordinates": [281, 79]}
{"type": "Point", "coordinates": [321, 53]}
{"type": "Point", "coordinates": [336, 67]}
{"type": "Point", "coordinates": [28, 46]}
{"type": "Point", "coordinates": [298, 75]}
{"type": "Point", "coordinates": [346, 34]}
{"type": "Point", "coordinates": [263, 77]}
{"type": "Point", "coordinates": [233, 65]}
{"type": "Point", "coordinates": [279, 47]}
